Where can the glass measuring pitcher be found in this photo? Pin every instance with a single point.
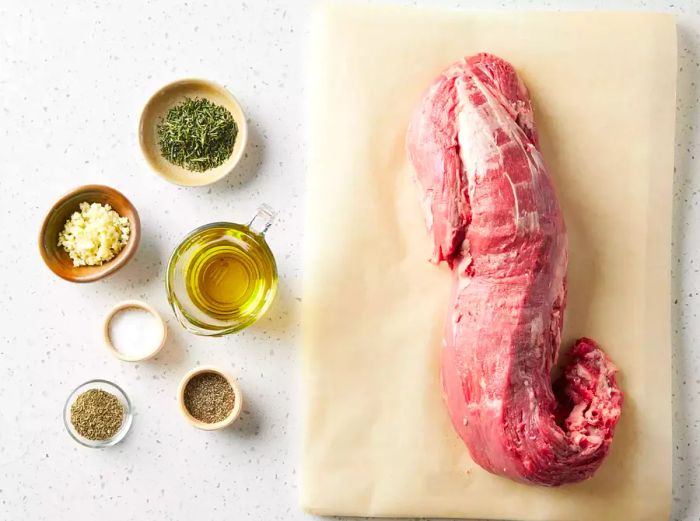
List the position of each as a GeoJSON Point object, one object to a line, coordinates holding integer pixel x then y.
{"type": "Point", "coordinates": [223, 276]}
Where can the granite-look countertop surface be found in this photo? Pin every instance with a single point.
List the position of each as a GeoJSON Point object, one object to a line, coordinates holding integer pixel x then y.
{"type": "Point", "coordinates": [73, 79]}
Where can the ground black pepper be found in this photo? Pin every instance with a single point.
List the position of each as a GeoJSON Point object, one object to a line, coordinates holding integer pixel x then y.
{"type": "Point", "coordinates": [209, 397]}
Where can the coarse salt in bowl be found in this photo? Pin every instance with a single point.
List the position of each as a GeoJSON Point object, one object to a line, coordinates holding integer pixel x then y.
{"type": "Point", "coordinates": [134, 331]}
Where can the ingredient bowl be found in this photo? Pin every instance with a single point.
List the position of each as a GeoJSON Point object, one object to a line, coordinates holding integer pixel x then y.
{"type": "Point", "coordinates": [111, 388]}
{"type": "Point", "coordinates": [157, 108]}
{"type": "Point", "coordinates": [237, 404]}
{"type": "Point", "coordinates": [147, 351]}
{"type": "Point", "coordinates": [57, 259]}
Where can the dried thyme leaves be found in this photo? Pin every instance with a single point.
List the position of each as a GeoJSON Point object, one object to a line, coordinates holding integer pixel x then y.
{"type": "Point", "coordinates": [209, 397]}
{"type": "Point", "coordinates": [197, 134]}
{"type": "Point", "coordinates": [97, 415]}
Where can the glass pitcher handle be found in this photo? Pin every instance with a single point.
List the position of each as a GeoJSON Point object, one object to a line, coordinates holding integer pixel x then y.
{"type": "Point", "coordinates": [262, 220]}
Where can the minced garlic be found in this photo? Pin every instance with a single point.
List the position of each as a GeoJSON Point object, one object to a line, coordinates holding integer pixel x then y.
{"type": "Point", "coordinates": [94, 235]}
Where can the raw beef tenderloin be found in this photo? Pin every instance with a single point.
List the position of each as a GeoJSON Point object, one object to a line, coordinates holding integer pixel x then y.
{"type": "Point", "coordinates": [494, 218]}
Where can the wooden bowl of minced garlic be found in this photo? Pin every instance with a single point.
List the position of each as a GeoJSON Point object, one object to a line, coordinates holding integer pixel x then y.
{"type": "Point", "coordinates": [89, 233]}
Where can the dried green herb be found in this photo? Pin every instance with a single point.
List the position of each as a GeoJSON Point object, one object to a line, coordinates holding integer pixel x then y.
{"type": "Point", "coordinates": [197, 134]}
{"type": "Point", "coordinates": [97, 414]}
{"type": "Point", "coordinates": [209, 397]}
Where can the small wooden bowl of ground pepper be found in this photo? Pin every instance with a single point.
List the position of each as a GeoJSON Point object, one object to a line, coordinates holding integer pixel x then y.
{"type": "Point", "coordinates": [209, 398]}
{"type": "Point", "coordinates": [193, 132]}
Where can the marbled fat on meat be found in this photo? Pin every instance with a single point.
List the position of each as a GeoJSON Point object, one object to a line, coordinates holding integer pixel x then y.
{"type": "Point", "coordinates": [495, 219]}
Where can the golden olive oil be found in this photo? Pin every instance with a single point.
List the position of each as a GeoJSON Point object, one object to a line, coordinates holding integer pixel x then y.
{"type": "Point", "coordinates": [229, 276]}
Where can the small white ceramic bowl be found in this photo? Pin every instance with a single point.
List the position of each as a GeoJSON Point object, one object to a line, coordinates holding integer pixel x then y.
{"type": "Point", "coordinates": [148, 353]}
{"type": "Point", "coordinates": [237, 404]}
{"type": "Point", "coordinates": [157, 108]}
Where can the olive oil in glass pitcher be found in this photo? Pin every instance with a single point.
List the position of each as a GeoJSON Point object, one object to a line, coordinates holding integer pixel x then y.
{"type": "Point", "coordinates": [223, 276]}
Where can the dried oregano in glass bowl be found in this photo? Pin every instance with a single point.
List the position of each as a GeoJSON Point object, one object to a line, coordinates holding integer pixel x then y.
{"type": "Point", "coordinates": [97, 414]}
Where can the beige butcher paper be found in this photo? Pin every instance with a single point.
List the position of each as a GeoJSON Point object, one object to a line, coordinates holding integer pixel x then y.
{"type": "Point", "coordinates": [377, 437]}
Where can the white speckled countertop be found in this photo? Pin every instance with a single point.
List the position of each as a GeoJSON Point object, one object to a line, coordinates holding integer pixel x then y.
{"type": "Point", "coordinates": [73, 79]}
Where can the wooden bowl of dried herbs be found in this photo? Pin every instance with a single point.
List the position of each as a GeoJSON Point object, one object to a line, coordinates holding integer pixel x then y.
{"type": "Point", "coordinates": [193, 132]}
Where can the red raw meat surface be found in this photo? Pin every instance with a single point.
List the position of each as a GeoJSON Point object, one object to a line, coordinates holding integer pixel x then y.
{"type": "Point", "coordinates": [495, 219]}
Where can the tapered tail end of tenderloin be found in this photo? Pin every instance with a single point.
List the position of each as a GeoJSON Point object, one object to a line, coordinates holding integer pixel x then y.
{"type": "Point", "coordinates": [590, 401]}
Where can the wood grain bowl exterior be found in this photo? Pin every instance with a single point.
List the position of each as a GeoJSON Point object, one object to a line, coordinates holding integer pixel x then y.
{"type": "Point", "coordinates": [57, 259]}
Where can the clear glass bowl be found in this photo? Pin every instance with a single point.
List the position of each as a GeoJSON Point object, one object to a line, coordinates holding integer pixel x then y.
{"type": "Point", "coordinates": [111, 388]}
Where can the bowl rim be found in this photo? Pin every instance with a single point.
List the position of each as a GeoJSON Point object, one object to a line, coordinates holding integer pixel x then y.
{"type": "Point", "coordinates": [119, 435]}
{"type": "Point", "coordinates": [242, 132]}
{"type": "Point", "coordinates": [237, 404]}
{"type": "Point", "coordinates": [110, 266]}
{"type": "Point", "coordinates": [126, 304]}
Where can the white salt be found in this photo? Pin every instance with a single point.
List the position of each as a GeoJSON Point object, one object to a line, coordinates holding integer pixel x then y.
{"type": "Point", "coordinates": [134, 332]}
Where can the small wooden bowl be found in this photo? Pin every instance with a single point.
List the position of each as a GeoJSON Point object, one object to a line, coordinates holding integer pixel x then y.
{"type": "Point", "coordinates": [157, 108]}
{"type": "Point", "coordinates": [57, 259]}
{"type": "Point", "coordinates": [237, 404]}
{"type": "Point", "coordinates": [138, 305]}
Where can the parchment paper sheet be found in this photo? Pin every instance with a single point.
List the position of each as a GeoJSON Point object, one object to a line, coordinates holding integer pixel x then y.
{"type": "Point", "coordinates": [378, 441]}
